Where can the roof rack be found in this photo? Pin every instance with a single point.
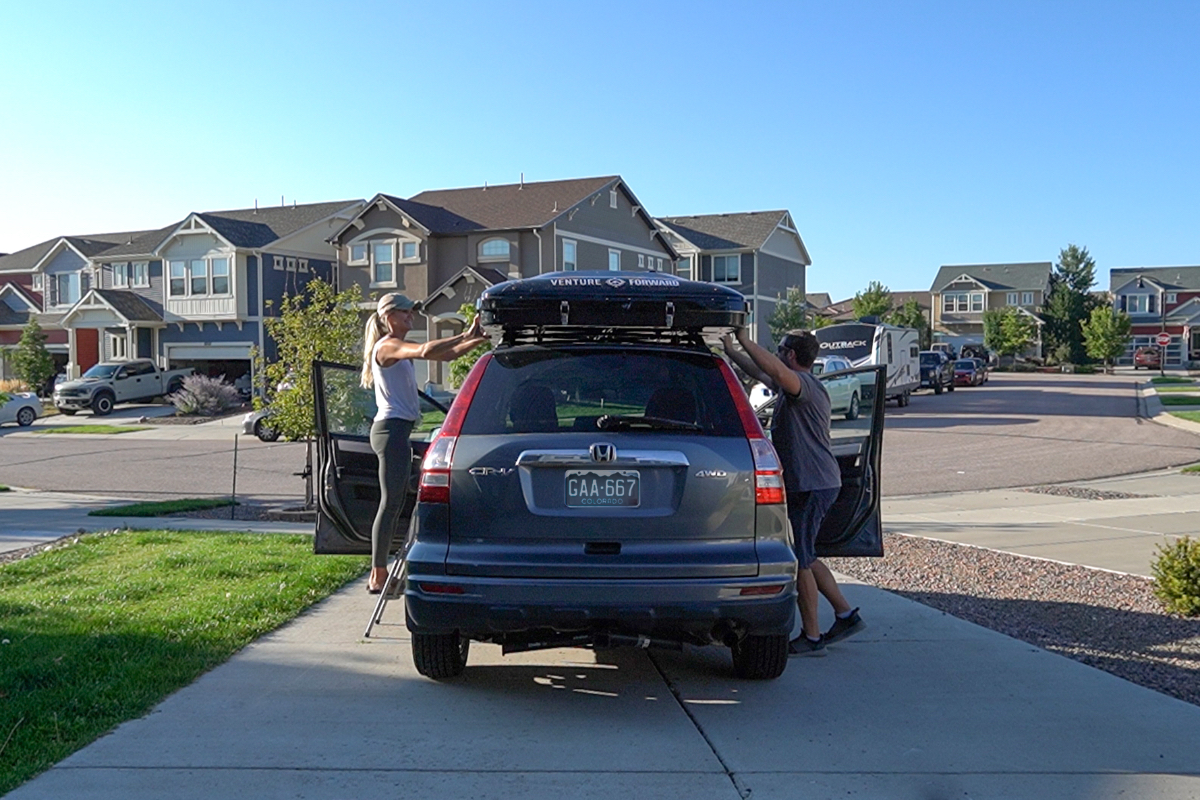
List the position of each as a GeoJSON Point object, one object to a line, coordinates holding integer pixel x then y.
{"type": "Point", "coordinates": [569, 334]}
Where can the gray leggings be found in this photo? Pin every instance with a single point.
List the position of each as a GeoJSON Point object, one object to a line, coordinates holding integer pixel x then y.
{"type": "Point", "coordinates": [389, 440]}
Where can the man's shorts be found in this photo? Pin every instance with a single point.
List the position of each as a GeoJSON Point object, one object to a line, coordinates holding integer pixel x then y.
{"type": "Point", "coordinates": [806, 511]}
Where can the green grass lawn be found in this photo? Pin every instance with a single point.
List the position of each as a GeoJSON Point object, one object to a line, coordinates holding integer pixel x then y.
{"type": "Point", "coordinates": [1168, 389]}
{"type": "Point", "coordinates": [3, 488]}
{"type": "Point", "coordinates": [100, 630]}
{"type": "Point", "coordinates": [1190, 416]}
{"type": "Point", "coordinates": [1193, 469]}
{"type": "Point", "coordinates": [92, 429]}
{"type": "Point", "coordinates": [1166, 379]}
{"type": "Point", "coordinates": [162, 507]}
{"type": "Point", "coordinates": [1179, 400]}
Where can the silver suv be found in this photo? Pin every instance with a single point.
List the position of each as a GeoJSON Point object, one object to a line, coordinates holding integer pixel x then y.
{"type": "Point", "coordinates": [591, 490]}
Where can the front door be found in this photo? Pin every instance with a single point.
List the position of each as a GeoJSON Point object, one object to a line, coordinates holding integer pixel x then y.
{"type": "Point", "coordinates": [854, 526]}
{"type": "Point", "coordinates": [347, 471]}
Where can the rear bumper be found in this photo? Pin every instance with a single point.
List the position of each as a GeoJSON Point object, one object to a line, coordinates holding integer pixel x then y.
{"type": "Point", "coordinates": [685, 610]}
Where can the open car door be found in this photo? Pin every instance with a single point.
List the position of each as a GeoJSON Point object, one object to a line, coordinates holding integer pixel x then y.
{"type": "Point", "coordinates": [854, 526]}
{"type": "Point", "coordinates": [347, 471]}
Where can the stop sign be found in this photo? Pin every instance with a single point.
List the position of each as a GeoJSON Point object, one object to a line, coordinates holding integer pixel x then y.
{"type": "Point", "coordinates": [1163, 339]}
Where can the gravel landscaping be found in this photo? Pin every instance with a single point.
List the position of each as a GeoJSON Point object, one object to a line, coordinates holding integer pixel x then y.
{"type": "Point", "coordinates": [1106, 620]}
{"type": "Point", "coordinates": [1083, 493]}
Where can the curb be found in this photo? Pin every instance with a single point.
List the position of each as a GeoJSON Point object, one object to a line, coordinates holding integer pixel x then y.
{"type": "Point", "coordinates": [1152, 409]}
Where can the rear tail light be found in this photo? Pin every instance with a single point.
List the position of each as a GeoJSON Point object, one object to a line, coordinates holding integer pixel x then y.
{"type": "Point", "coordinates": [768, 475]}
{"type": "Point", "coordinates": [434, 486]}
{"type": "Point", "coordinates": [753, 591]}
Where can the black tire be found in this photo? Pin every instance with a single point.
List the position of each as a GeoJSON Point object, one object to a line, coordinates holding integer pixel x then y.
{"type": "Point", "coordinates": [174, 386]}
{"type": "Point", "coordinates": [950, 386]}
{"type": "Point", "coordinates": [852, 412]}
{"type": "Point", "coordinates": [70, 412]}
{"type": "Point", "coordinates": [440, 655]}
{"type": "Point", "coordinates": [937, 388]}
{"type": "Point", "coordinates": [265, 433]}
{"type": "Point", "coordinates": [903, 400]}
{"type": "Point", "coordinates": [760, 658]}
{"type": "Point", "coordinates": [26, 416]}
{"type": "Point", "coordinates": [102, 404]}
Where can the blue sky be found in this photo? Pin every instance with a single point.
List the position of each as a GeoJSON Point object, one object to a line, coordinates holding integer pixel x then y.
{"type": "Point", "coordinates": [901, 136]}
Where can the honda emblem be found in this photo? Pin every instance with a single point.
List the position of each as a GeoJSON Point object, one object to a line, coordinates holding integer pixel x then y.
{"type": "Point", "coordinates": [603, 452]}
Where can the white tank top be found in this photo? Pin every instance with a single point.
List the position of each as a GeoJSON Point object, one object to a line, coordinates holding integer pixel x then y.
{"type": "Point", "coordinates": [395, 388]}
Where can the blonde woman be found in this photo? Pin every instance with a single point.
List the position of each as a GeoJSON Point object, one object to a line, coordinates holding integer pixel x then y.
{"type": "Point", "coordinates": [388, 366]}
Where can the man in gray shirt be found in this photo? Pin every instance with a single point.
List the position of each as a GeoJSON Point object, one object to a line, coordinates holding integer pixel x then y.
{"type": "Point", "coordinates": [811, 476]}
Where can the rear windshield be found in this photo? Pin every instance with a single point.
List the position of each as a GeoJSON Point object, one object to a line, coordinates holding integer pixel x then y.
{"type": "Point", "coordinates": [535, 390]}
{"type": "Point", "coordinates": [930, 359]}
{"type": "Point", "coordinates": [965, 363]}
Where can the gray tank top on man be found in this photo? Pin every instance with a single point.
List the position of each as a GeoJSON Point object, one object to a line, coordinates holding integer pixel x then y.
{"type": "Point", "coordinates": [800, 433]}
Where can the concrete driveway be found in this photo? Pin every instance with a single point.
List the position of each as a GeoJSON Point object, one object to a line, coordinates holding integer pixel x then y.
{"type": "Point", "coordinates": [920, 705]}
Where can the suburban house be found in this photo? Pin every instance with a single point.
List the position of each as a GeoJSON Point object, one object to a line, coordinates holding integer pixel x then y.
{"type": "Point", "coordinates": [961, 293]}
{"type": "Point", "coordinates": [759, 253]}
{"type": "Point", "coordinates": [444, 247]}
{"type": "Point", "coordinates": [192, 294]}
{"type": "Point", "coordinates": [1159, 299]}
{"type": "Point", "coordinates": [843, 311]}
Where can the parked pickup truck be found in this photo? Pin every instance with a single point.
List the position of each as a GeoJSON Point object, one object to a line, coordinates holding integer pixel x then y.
{"type": "Point", "coordinates": [112, 382]}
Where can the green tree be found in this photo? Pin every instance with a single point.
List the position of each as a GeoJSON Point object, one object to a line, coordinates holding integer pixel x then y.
{"type": "Point", "coordinates": [1106, 333]}
{"type": "Point", "coordinates": [461, 366]}
{"type": "Point", "coordinates": [874, 301]}
{"type": "Point", "coordinates": [32, 362]}
{"type": "Point", "coordinates": [319, 324]}
{"type": "Point", "coordinates": [1069, 303]}
{"type": "Point", "coordinates": [791, 312]}
{"type": "Point", "coordinates": [1008, 331]}
{"type": "Point", "coordinates": [910, 315]}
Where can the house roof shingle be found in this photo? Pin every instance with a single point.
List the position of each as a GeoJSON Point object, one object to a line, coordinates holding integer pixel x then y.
{"type": "Point", "coordinates": [130, 305]}
{"type": "Point", "coordinates": [1028, 276]}
{"type": "Point", "coordinates": [1185, 278]}
{"type": "Point", "coordinates": [258, 227]}
{"type": "Point", "coordinates": [735, 231]}
{"type": "Point", "coordinates": [503, 207]}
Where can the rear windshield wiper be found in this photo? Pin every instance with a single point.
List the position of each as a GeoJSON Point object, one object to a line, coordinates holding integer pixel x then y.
{"type": "Point", "coordinates": [612, 422]}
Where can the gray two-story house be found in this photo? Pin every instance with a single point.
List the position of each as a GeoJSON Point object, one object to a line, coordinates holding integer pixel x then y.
{"type": "Point", "coordinates": [444, 247]}
{"type": "Point", "coordinates": [961, 293]}
{"type": "Point", "coordinates": [759, 253]}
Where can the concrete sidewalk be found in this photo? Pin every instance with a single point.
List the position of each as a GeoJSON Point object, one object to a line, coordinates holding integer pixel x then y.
{"type": "Point", "coordinates": [28, 518]}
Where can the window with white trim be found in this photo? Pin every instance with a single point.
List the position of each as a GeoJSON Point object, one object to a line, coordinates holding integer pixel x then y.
{"type": "Point", "coordinates": [279, 263]}
{"type": "Point", "coordinates": [198, 272]}
{"type": "Point", "coordinates": [727, 269]}
{"type": "Point", "coordinates": [658, 266]}
{"type": "Point", "coordinates": [358, 254]}
{"type": "Point", "coordinates": [36, 285]}
{"type": "Point", "coordinates": [1172, 297]}
{"type": "Point", "coordinates": [302, 265]}
{"type": "Point", "coordinates": [64, 289]}
{"type": "Point", "coordinates": [612, 198]}
{"type": "Point", "coordinates": [641, 260]}
{"type": "Point", "coordinates": [383, 262]}
{"type": "Point", "coordinates": [291, 265]}
{"type": "Point", "coordinates": [1026, 298]}
{"type": "Point", "coordinates": [684, 268]}
{"type": "Point", "coordinates": [614, 260]}
{"type": "Point", "coordinates": [141, 273]}
{"type": "Point", "coordinates": [962, 302]}
{"type": "Point", "coordinates": [494, 250]}
{"type": "Point", "coordinates": [220, 275]}
{"type": "Point", "coordinates": [569, 256]}
{"type": "Point", "coordinates": [120, 275]}
{"type": "Point", "coordinates": [977, 301]}
{"type": "Point", "coordinates": [1138, 304]}
{"type": "Point", "coordinates": [1011, 298]}
{"type": "Point", "coordinates": [177, 284]}
{"type": "Point", "coordinates": [409, 251]}
{"type": "Point", "coordinates": [117, 347]}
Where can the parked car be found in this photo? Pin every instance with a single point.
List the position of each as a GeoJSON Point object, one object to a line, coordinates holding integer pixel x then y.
{"type": "Point", "coordinates": [258, 423]}
{"type": "Point", "coordinates": [1147, 357]}
{"type": "Point", "coordinates": [22, 408]}
{"type": "Point", "coordinates": [937, 371]}
{"type": "Point", "coordinates": [111, 382]}
{"type": "Point", "coordinates": [845, 391]}
{"type": "Point", "coordinates": [945, 347]}
{"type": "Point", "coordinates": [594, 491]}
{"type": "Point", "coordinates": [984, 370]}
{"type": "Point", "coordinates": [967, 372]}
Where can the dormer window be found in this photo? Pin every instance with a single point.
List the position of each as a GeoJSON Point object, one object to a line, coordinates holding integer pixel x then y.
{"type": "Point", "coordinates": [494, 250]}
{"type": "Point", "coordinates": [1138, 303]}
{"type": "Point", "coordinates": [120, 276]}
{"type": "Point", "coordinates": [612, 198]}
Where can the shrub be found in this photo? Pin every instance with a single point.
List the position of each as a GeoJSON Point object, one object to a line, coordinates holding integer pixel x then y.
{"type": "Point", "coordinates": [205, 396]}
{"type": "Point", "coordinates": [1176, 571]}
{"type": "Point", "coordinates": [13, 385]}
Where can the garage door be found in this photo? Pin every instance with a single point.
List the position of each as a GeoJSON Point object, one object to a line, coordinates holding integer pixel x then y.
{"type": "Point", "coordinates": [218, 353]}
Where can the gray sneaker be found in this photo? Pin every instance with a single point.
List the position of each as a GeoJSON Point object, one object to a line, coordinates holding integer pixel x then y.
{"type": "Point", "coordinates": [844, 628]}
{"type": "Point", "coordinates": [804, 646]}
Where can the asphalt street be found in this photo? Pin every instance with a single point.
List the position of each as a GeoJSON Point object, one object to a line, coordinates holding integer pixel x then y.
{"type": "Point", "coordinates": [1017, 430]}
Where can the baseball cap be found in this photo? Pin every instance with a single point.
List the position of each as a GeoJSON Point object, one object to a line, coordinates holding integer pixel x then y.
{"type": "Point", "coordinates": [394, 300]}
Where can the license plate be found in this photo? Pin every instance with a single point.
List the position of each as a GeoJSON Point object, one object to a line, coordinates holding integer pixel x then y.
{"type": "Point", "coordinates": [603, 488]}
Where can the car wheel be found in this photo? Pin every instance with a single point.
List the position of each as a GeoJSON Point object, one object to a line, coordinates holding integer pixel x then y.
{"type": "Point", "coordinates": [440, 655]}
{"type": "Point", "coordinates": [174, 386]}
{"type": "Point", "coordinates": [852, 412]}
{"type": "Point", "coordinates": [265, 432]}
{"type": "Point", "coordinates": [950, 386]}
{"type": "Point", "coordinates": [26, 416]}
{"type": "Point", "coordinates": [760, 658]}
{"type": "Point", "coordinates": [70, 412]}
{"type": "Point", "coordinates": [937, 388]}
{"type": "Point", "coordinates": [903, 400]}
{"type": "Point", "coordinates": [102, 405]}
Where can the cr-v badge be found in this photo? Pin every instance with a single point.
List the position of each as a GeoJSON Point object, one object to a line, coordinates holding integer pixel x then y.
{"type": "Point", "coordinates": [490, 471]}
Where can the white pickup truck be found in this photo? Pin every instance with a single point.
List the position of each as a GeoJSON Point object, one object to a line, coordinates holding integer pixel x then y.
{"type": "Point", "coordinates": [112, 382]}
